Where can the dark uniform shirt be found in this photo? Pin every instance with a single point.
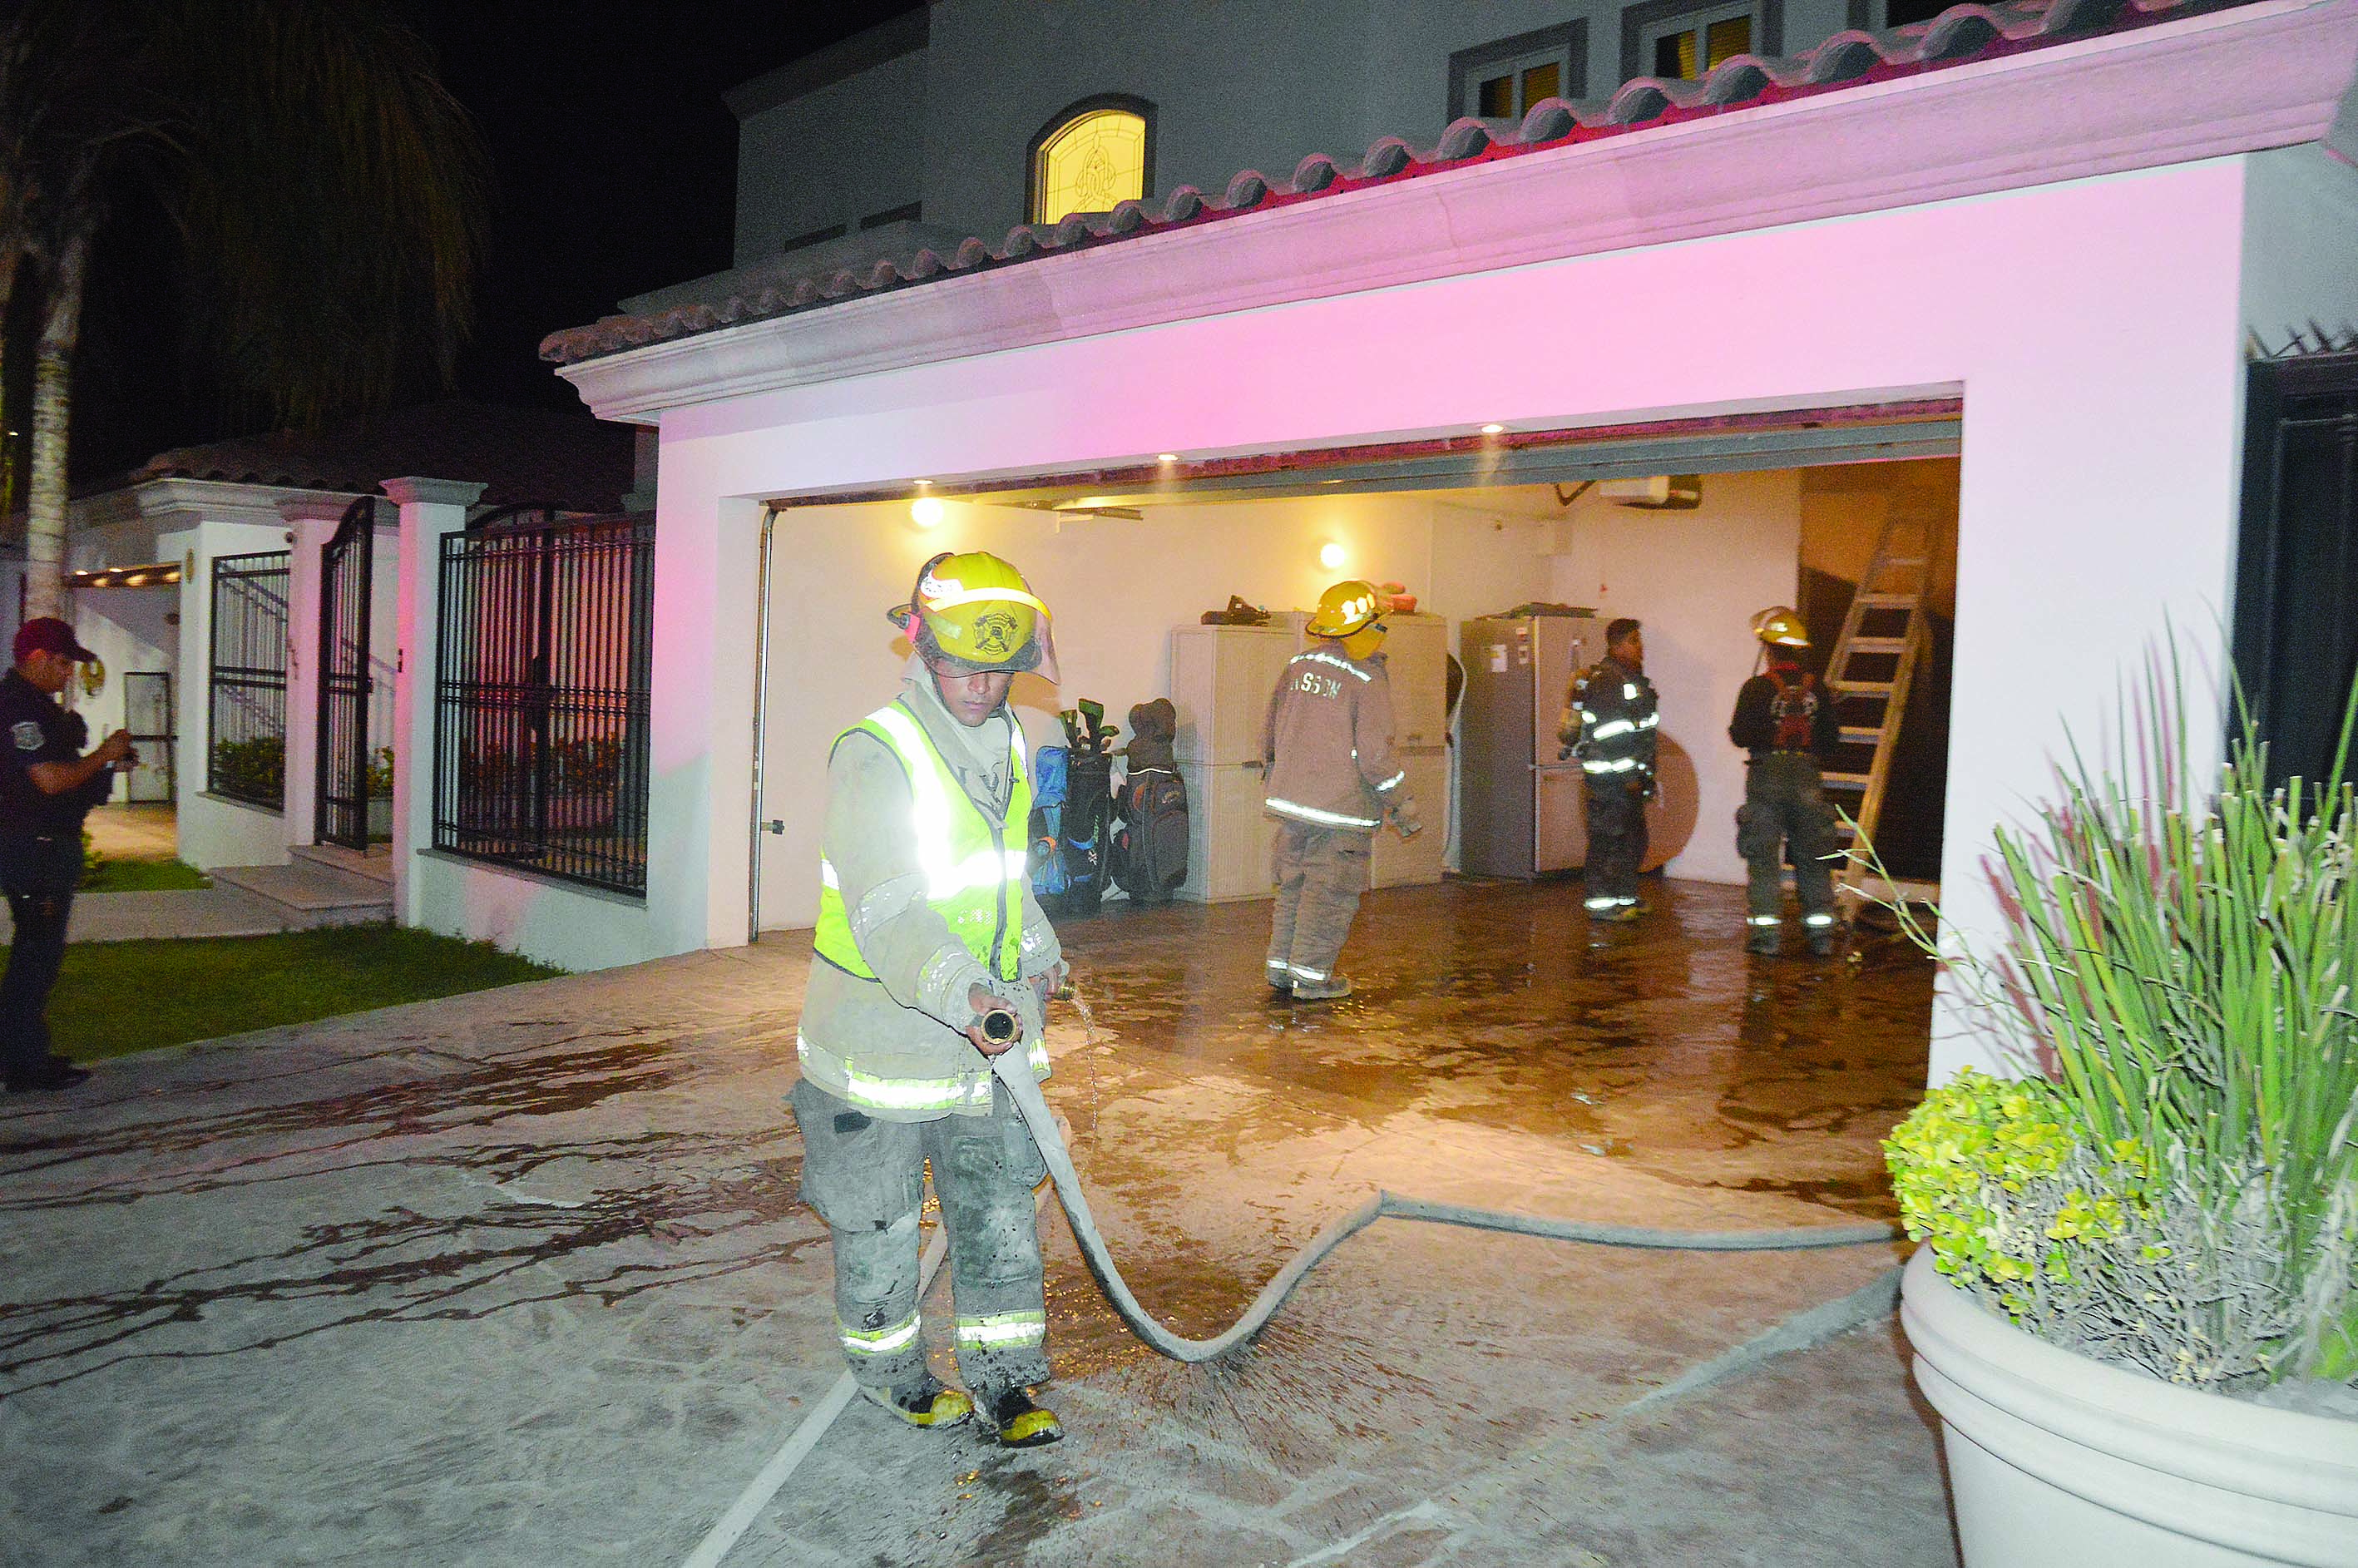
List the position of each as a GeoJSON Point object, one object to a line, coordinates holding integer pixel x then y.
{"type": "Point", "coordinates": [1609, 719]}
{"type": "Point", "coordinates": [1754, 725]}
{"type": "Point", "coordinates": [35, 729]}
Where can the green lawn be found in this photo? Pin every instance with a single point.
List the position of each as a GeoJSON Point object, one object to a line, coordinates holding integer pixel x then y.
{"type": "Point", "coordinates": [118, 997]}
{"type": "Point", "coordinates": [143, 876]}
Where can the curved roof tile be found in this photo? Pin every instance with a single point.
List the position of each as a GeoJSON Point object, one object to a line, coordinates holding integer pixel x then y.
{"type": "Point", "coordinates": [1959, 33]}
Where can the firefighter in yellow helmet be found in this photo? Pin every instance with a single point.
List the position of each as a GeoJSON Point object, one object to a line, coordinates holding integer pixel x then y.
{"type": "Point", "coordinates": [933, 956]}
{"type": "Point", "coordinates": [1331, 781]}
{"type": "Point", "coordinates": [1785, 718]}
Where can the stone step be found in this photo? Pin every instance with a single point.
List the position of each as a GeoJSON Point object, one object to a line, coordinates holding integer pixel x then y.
{"type": "Point", "coordinates": [166, 913]}
{"type": "Point", "coordinates": [376, 863]}
{"type": "Point", "coordinates": [310, 893]}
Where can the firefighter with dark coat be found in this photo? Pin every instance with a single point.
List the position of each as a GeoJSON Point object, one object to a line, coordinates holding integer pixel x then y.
{"type": "Point", "coordinates": [1610, 715]}
{"type": "Point", "coordinates": [933, 955]}
{"type": "Point", "coordinates": [1785, 717]}
{"type": "Point", "coordinates": [46, 787]}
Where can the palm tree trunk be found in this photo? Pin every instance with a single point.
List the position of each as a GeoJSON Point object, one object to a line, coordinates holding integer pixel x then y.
{"type": "Point", "coordinates": [44, 525]}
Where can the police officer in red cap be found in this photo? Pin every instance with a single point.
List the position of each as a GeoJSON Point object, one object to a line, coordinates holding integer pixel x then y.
{"type": "Point", "coordinates": [46, 789]}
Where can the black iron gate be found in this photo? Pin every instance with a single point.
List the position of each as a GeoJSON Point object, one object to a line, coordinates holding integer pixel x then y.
{"type": "Point", "coordinates": [543, 670]}
{"type": "Point", "coordinates": [347, 571]}
{"type": "Point", "coordinates": [2296, 591]}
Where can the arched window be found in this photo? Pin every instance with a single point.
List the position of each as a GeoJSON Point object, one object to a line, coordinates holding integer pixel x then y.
{"type": "Point", "coordinates": [1098, 153]}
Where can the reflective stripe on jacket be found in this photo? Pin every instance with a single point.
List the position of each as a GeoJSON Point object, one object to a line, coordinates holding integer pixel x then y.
{"type": "Point", "coordinates": [1610, 719]}
{"type": "Point", "coordinates": [1326, 743]}
{"type": "Point", "coordinates": [974, 868]}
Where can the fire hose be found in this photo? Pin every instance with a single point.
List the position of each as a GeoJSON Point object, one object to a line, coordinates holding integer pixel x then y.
{"type": "Point", "coordinates": [1014, 1072]}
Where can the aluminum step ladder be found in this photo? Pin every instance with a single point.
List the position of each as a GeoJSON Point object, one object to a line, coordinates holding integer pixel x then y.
{"type": "Point", "coordinates": [1887, 636]}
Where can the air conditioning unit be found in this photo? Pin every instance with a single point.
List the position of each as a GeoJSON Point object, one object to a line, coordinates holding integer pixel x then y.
{"type": "Point", "coordinates": [1661, 493]}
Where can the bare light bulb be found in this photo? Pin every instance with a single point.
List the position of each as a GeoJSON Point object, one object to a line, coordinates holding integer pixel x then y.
{"type": "Point", "coordinates": [1331, 555]}
{"type": "Point", "coordinates": [926, 512]}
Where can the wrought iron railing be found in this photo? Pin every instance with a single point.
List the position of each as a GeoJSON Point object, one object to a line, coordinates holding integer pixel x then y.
{"type": "Point", "coordinates": [543, 670]}
{"type": "Point", "coordinates": [245, 750]}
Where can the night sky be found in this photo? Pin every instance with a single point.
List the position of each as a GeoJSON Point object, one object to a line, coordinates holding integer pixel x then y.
{"type": "Point", "coordinates": [615, 163]}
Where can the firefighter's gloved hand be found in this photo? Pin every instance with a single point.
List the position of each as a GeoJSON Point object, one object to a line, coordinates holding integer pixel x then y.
{"type": "Point", "coordinates": [1405, 820]}
{"type": "Point", "coordinates": [995, 1025]}
{"type": "Point", "coordinates": [1564, 753]}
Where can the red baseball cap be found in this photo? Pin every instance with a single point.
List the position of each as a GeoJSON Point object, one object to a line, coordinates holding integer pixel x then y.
{"type": "Point", "coordinates": [48, 634]}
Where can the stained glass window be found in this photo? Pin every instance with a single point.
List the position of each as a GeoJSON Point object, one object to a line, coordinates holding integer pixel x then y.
{"type": "Point", "coordinates": [1092, 162]}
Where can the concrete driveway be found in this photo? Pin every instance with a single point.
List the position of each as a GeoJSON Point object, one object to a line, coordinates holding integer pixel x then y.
{"type": "Point", "coordinates": [520, 1277]}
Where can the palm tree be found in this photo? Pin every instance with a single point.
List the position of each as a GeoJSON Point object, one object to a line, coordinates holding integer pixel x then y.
{"type": "Point", "coordinates": [326, 191]}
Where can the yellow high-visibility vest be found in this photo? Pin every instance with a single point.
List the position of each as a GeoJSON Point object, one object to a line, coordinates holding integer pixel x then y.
{"type": "Point", "coordinates": [974, 868]}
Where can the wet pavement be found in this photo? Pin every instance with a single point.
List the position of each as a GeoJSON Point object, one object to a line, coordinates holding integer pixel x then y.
{"type": "Point", "coordinates": [520, 1277]}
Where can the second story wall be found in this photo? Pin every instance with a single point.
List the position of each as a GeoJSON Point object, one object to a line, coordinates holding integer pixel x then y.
{"type": "Point", "coordinates": [815, 162]}
{"type": "Point", "coordinates": [948, 124]}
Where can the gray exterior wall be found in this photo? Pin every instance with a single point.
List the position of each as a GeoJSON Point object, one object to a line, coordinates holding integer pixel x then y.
{"type": "Point", "coordinates": [1236, 84]}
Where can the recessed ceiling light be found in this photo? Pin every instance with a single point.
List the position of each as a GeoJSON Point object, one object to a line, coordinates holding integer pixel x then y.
{"type": "Point", "coordinates": [1166, 456]}
{"type": "Point", "coordinates": [1494, 429]}
{"type": "Point", "coordinates": [923, 483]}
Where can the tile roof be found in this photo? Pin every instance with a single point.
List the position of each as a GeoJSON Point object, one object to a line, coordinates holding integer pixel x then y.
{"type": "Point", "coordinates": [1849, 59]}
{"type": "Point", "coordinates": [522, 455]}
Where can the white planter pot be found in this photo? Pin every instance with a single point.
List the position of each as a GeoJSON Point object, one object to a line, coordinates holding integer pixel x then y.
{"type": "Point", "coordinates": [2056, 1459]}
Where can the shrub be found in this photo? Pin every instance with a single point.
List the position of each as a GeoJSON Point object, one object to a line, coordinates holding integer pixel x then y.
{"type": "Point", "coordinates": [2173, 1181]}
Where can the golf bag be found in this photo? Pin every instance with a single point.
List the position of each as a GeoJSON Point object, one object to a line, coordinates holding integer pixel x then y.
{"type": "Point", "coordinates": [1150, 857]}
{"type": "Point", "coordinates": [1072, 825]}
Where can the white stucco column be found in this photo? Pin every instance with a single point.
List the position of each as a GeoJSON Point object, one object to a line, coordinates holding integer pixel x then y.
{"type": "Point", "coordinates": [430, 509]}
{"type": "Point", "coordinates": [310, 523]}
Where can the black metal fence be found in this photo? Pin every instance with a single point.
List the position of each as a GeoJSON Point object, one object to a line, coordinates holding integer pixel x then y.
{"type": "Point", "coordinates": [542, 673]}
{"type": "Point", "coordinates": [245, 752]}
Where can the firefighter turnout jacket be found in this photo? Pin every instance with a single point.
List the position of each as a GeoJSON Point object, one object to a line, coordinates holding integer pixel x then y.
{"type": "Point", "coordinates": [1326, 743]}
{"type": "Point", "coordinates": [923, 896]}
{"type": "Point", "coordinates": [1610, 719]}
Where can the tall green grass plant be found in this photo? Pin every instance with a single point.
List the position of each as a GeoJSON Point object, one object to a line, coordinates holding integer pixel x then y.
{"type": "Point", "coordinates": [2177, 970]}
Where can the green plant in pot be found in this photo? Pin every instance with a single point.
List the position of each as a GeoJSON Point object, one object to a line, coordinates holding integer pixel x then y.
{"type": "Point", "coordinates": [2167, 1189]}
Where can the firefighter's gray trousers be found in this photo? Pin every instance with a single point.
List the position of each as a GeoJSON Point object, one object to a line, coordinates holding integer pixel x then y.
{"type": "Point", "coordinates": [866, 1179]}
{"type": "Point", "coordinates": [1784, 811]}
{"type": "Point", "coordinates": [1320, 873]}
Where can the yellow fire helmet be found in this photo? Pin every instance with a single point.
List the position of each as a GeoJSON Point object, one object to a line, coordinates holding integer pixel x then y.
{"type": "Point", "coordinates": [973, 612]}
{"type": "Point", "coordinates": [1346, 613]}
{"type": "Point", "coordinates": [1779, 627]}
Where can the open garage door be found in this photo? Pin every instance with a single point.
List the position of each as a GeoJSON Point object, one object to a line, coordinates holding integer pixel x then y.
{"type": "Point", "coordinates": [1690, 525]}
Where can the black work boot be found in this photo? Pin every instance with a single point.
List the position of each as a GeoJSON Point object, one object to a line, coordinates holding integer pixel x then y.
{"type": "Point", "coordinates": [1764, 939]}
{"type": "Point", "coordinates": [925, 1402]}
{"type": "Point", "coordinates": [1019, 1423]}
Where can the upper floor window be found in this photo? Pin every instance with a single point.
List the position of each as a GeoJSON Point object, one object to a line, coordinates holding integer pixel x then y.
{"type": "Point", "coordinates": [1503, 81]}
{"type": "Point", "coordinates": [1896, 13]}
{"type": "Point", "coordinates": [1684, 40]}
{"type": "Point", "coordinates": [1096, 155]}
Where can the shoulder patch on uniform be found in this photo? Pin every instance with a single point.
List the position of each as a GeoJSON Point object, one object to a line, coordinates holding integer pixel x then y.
{"type": "Point", "coordinates": [27, 734]}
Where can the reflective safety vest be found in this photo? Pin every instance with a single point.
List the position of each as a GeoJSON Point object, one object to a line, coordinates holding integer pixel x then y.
{"type": "Point", "coordinates": [973, 866]}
